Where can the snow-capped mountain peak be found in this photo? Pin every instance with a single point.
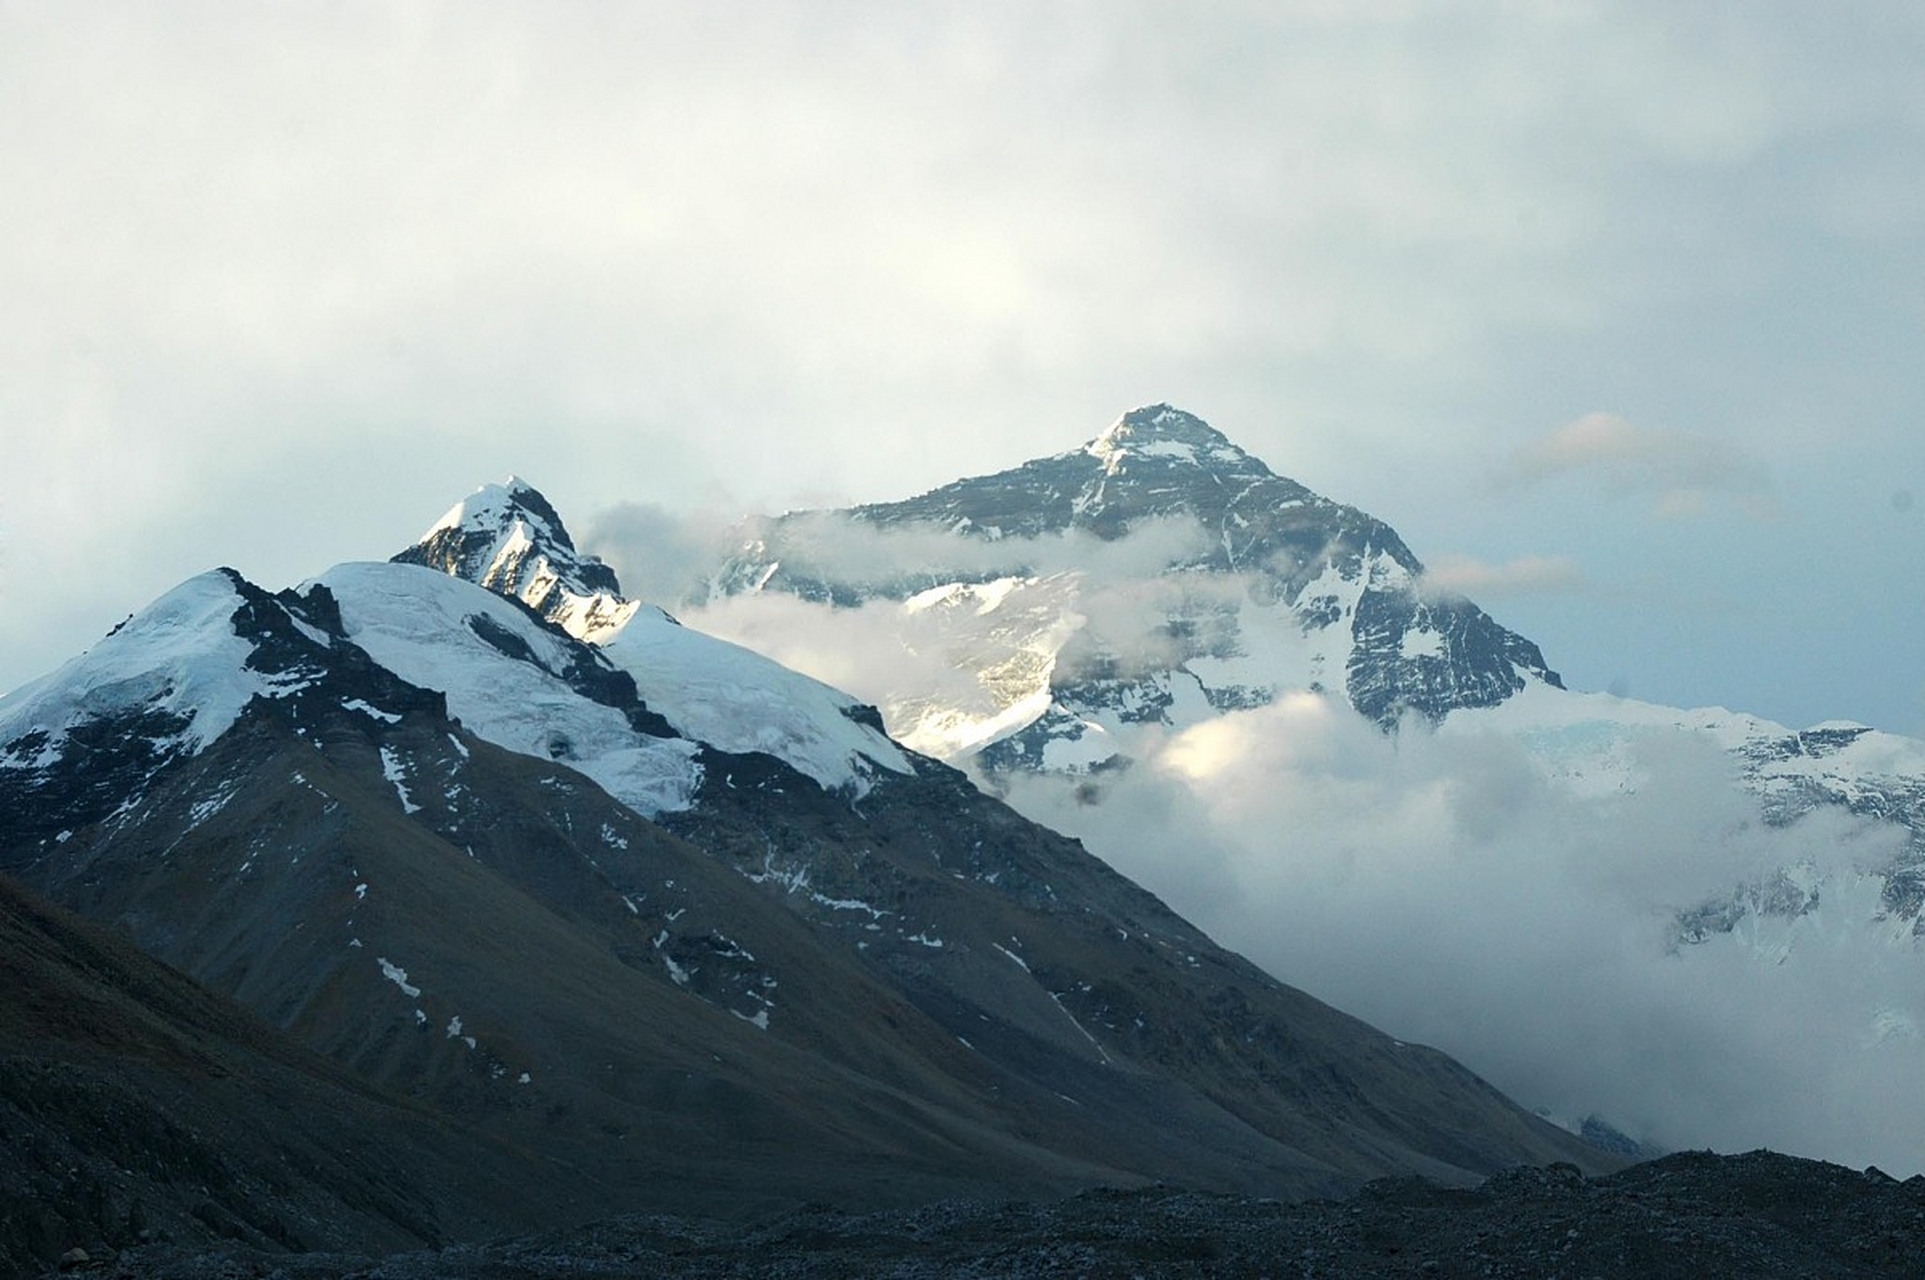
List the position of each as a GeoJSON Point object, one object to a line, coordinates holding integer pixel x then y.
{"type": "Point", "coordinates": [1163, 433]}
{"type": "Point", "coordinates": [177, 663]}
{"type": "Point", "coordinates": [1220, 585]}
{"type": "Point", "coordinates": [508, 538]}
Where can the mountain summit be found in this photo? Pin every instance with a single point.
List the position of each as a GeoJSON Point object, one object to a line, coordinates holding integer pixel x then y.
{"type": "Point", "coordinates": [508, 538]}
{"type": "Point", "coordinates": [1151, 462]}
{"type": "Point", "coordinates": [1214, 584]}
{"type": "Point", "coordinates": [1164, 431]}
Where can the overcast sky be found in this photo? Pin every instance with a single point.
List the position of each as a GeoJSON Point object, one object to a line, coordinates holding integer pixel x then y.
{"type": "Point", "coordinates": [1615, 312]}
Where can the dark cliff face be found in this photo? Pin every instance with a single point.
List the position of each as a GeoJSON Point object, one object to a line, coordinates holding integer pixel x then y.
{"type": "Point", "coordinates": [1160, 464]}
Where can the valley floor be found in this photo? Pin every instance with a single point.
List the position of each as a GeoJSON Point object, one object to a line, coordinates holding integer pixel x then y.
{"type": "Point", "coordinates": [1691, 1215]}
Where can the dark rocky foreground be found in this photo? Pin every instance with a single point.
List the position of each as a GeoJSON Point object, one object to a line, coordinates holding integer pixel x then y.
{"type": "Point", "coordinates": [1692, 1215]}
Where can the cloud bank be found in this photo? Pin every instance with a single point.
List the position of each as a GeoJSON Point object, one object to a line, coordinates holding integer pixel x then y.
{"type": "Point", "coordinates": [1523, 576]}
{"type": "Point", "coordinates": [1442, 888]}
{"type": "Point", "coordinates": [1681, 473]}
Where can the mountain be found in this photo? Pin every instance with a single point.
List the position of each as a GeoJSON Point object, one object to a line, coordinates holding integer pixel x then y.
{"type": "Point", "coordinates": [1154, 638]}
{"type": "Point", "coordinates": [1261, 585]}
{"type": "Point", "coordinates": [1160, 577]}
{"type": "Point", "coordinates": [681, 922]}
{"type": "Point", "coordinates": [509, 539]}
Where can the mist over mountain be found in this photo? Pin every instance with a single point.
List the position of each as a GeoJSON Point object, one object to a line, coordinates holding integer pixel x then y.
{"type": "Point", "coordinates": [1258, 701]}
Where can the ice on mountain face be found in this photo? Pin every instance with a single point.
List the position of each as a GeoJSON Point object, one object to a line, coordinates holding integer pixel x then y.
{"type": "Point", "coordinates": [736, 699]}
{"type": "Point", "coordinates": [1002, 638]}
{"type": "Point", "coordinates": [180, 657]}
{"type": "Point", "coordinates": [1422, 643]}
{"type": "Point", "coordinates": [1570, 731]}
{"type": "Point", "coordinates": [1088, 745]}
{"type": "Point", "coordinates": [502, 675]}
{"type": "Point", "coordinates": [1162, 432]}
{"type": "Point", "coordinates": [206, 808]}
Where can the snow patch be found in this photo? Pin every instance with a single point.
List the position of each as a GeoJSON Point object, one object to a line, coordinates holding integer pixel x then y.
{"type": "Point", "coordinates": [1422, 642]}
{"type": "Point", "coordinates": [739, 701]}
{"type": "Point", "coordinates": [396, 774]}
{"type": "Point", "coordinates": [1080, 1027]}
{"type": "Point", "coordinates": [398, 976]}
{"type": "Point", "coordinates": [847, 904]}
{"type": "Point", "coordinates": [207, 808]}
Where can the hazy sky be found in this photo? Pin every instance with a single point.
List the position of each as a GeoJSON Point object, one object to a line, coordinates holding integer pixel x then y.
{"type": "Point", "coordinates": [1616, 312]}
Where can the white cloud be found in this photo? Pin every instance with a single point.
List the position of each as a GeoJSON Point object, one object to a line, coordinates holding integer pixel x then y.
{"type": "Point", "coordinates": [1443, 889]}
{"type": "Point", "coordinates": [1680, 472]}
{"type": "Point", "coordinates": [1524, 576]}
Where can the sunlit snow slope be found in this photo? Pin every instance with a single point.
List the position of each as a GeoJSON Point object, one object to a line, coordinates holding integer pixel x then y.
{"type": "Point", "coordinates": [509, 539]}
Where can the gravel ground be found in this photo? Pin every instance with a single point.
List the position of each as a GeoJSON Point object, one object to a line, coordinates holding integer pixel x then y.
{"type": "Point", "coordinates": [1691, 1215]}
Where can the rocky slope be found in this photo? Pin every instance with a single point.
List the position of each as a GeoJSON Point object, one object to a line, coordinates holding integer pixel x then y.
{"type": "Point", "coordinates": [137, 1107]}
{"type": "Point", "coordinates": [1686, 1217]}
